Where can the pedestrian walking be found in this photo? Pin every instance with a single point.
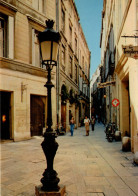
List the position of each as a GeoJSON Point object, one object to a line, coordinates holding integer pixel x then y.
{"type": "Point", "coordinates": [72, 125]}
{"type": "Point", "coordinates": [93, 122]}
{"type": "Point", "coordinates": [87, 122]}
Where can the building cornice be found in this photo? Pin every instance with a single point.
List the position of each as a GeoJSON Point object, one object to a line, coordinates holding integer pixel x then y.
{"type": "Point", "coordinates": [35, 20]}
{"type": "Point", "coordinates": [9, 6]}
{"type": "Point", "coordinates": [16, 65]}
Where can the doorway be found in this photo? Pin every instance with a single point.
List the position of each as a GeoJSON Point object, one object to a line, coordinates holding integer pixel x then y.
{"type": "Point", "coordinates": [5, 100]}
{"type": "Point", "coordinates": [63, 115]}
{"type": "Point", "coordinates": [125, 117]}
{"type": "Point", "coordinates": [37, 115]}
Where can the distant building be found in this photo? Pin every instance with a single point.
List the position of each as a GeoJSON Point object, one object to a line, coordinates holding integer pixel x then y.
{"type": "Point", "coordinates": [96, 105]}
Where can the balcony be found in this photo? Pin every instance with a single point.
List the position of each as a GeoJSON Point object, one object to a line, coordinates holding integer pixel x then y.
{"type": "Point", "coordinates": [83, 96]}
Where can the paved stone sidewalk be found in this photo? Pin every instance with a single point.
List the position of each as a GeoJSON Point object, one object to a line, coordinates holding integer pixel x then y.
{"type": "Point", "coordinates": [86, 165]}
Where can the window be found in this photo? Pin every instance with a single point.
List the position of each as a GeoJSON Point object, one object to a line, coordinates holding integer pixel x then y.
{"type": "Point", "coordinates": [39, 5]}
{"type": "Point", "coordinates": [83, 62]}
{"type": "Point", "coordinates": [111, 40]}
{"type": "Point", "coordinates": [63, 21]}
{"type": "Point", "coordinates": [120, 12]}
{"type": "Point", "coordinates": [80, 82]}
{"type": "Point", "coordinates": [76, 46]}
{"type": "Point", "coordinates": [86, 70]}
{"type": "Point", "coordinates": [3, 35]}
{"type": "Point", "coordinates": [6, 36]}
{"type": "Point", "coordinates": [70, 67]}
{"type": "Point", "coordinates": [84, 88]}
{"type": "Point", "coordinates": [35, 49]}
{"type": "Point", "coordinates": [106, 63]}
{"type": "Point", "coordinates": [80, 58]}
{"type": "Point", "coordinates": [70, 34]}
{"type": "Point", "coordinates": [80, 72]}
{"type": "Point", "coordinates": [76, 74]}
{"type": "Point", "coordinates": [63, 57]}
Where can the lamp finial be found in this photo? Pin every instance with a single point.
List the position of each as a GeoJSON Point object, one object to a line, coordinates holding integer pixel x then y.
{"type": "Point", "coordinates": [49, 23]}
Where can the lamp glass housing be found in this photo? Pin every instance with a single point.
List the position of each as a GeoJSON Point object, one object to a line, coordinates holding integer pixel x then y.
{"type": "Point", "coordinates": [49, 51]}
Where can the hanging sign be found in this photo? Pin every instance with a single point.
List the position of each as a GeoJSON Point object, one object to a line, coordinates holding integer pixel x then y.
{"type": "Point", "coordinates": [130, 51]}
{"type": "Point", "coordinates": [105, 84]}
{"type": "Point", "coordinates": [115, 102]}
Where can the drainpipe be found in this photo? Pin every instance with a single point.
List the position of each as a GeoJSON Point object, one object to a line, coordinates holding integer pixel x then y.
{"type": "Point", "coordinates": [57, 68]}
{"type": "Point", "coordinates": [79, 66]}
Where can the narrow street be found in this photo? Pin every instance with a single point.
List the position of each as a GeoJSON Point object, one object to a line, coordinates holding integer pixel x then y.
{"type": "Point", "coordinates": [86, 165]}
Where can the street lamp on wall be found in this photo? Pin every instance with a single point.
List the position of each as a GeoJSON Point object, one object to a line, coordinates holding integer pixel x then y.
{"type": "Point", "coordinates": [49, 43]}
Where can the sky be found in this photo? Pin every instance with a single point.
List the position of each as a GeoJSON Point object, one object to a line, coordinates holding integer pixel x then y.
{"type": "Point", "coordinates": [90, 13]}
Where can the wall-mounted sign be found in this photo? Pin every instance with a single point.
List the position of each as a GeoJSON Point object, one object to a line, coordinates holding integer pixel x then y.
{"type": "Point", "coordinates": [115, 102]}
{"type": "Point", "coordinates": [105, 84]}
{"type": "Point", "coordinates": [130, 51]}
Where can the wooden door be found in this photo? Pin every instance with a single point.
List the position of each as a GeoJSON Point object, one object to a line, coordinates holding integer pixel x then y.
{"type": "Point", "coordinates": [37, 115]}
{"type": "Point", "coordinates": [63, 115]}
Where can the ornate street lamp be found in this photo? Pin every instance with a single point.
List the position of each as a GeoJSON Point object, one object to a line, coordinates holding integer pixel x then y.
{"type": "Point", "coordinates": [49, 43]}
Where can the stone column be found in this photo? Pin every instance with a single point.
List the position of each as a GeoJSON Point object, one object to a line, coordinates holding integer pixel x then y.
{"type": "Point", "coordinates": [11, 37]}
{"type": "Point", "coordinates": [133, 81]}
{"type": "Point", "coordinates": [60, 109]}
{"type": "Point", "coordinates": [67, 116]}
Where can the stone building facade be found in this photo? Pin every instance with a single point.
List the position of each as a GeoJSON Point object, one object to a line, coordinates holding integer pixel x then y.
{"type": "Point", "coordinates": [22, 91]}
{"type": "Point", "coordinates": [120, 18]}
{"type": "Point", "coordinates": [74, 66]}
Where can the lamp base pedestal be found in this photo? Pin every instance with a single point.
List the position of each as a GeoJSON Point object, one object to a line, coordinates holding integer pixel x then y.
{"type": "Point", "coordinates": [39, 192]}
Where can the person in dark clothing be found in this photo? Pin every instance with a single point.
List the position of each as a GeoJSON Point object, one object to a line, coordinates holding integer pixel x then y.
{"type": "Point", "coordinates": [93, 122]}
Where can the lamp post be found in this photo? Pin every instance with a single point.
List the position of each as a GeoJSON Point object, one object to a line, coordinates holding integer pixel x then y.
{"type": "Point", "coordinates": [49, 42]}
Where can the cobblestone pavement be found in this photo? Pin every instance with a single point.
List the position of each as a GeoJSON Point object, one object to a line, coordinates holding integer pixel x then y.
{"type": "Point", "coordinates": [86, 165]}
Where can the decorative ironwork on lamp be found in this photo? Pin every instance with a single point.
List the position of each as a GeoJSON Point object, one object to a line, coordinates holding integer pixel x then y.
{"type": "Point", "coordinates": [49, 43]}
